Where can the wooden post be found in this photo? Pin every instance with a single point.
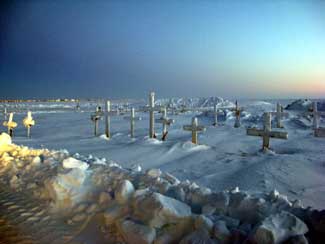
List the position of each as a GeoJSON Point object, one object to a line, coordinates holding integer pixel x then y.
{"type": "Point", "coordinates": [151, 115]}
{"type": "Point", "coordinates": [132, 119]}
{"type": "Point", "coordinates": [267, 133]}
{"type": "Point", "coordinates": [10, 124]}
{"type": "Point", "coordinates": [107, 119]}
{"type": "Point", "coordinates": [237, 114]}
{"type": "Point", "coordinates": [96, 117]}
{"type": "Point", "coordinates": [165, 121]}
{"type": "Point", "coordinates": [5, 113]}
{"type": "Point", "coordinates": [215, 113]}
{"type": "Point", "coordinates": [28, 122]}
{"type": "Point", "coordinates": [278, 115]}
{"type": "Point", "coordinates": [194, 128]}
{"type": "Point", "coordinates": [78, 105]}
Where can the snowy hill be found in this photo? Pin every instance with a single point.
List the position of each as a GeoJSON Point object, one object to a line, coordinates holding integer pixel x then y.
{"type": "Point", "coordinates": [208, 102]}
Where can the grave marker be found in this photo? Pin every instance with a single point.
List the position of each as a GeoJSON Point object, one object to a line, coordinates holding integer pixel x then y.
{"type": "Point", "coordinates": [28, 122]}
{"type": "Point", "coordinates": [152, 108]}
{"type": "Point", "coordinates": [267, 132]}
{"type": "Point", "coordinates": [237, 114]}
{"type": "Point", "coordinates": [132, 119]}
{"type": "Point", "coordinates": [194, 128]}
{"type": "Point", "coordinates": [215, 113]}
{"type": "Point", "coordinates": [10, 124]}
{"type": "Point", "coordinates": [279, 114]}
{"type": "Point", "coordinates": [96, 117]}
{"type": "Point", "coordinates": [108, 114]}
{"type": "Point", "coordinates": [5, 113]}
{"type": "Point", "coordinates": [316, 114]}
{"type": "Point", "coordinates": [165, 121]}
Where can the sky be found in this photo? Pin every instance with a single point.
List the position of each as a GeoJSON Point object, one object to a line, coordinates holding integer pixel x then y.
{"type": "Point", "coordinates": [125, 49]}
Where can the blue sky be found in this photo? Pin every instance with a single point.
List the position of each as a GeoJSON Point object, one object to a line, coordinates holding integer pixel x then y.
{"type": "Point", "coordinates": [119, 49]}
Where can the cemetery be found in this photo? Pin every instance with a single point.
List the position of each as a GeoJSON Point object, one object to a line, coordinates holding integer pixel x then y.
{"type": "Point", "coordinates": [217, 185]}
{"type": "Point", "coordinates": [162, 122]}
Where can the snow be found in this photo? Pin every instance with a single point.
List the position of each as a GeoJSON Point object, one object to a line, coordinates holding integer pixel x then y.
{"type": "Point", "coordinates": [199, 178]}
{"type": "Point", "coordinates": [71, 163]}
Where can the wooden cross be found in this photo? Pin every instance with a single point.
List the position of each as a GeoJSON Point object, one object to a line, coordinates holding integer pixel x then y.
{"type": "Point", "coordinates": [316, 114]}
{"type": "Point", "coordinates": [78, 105]}
{"type": "Point", "coordinates": [10, 124]}
{"type": "Point", "coordinates": [132, 119]}
{"type": "Point", "coordinates": [215, 113]}
{"type": "Point", "coordinates": [165, 121]}
{"type": "Point", "coordinates": [96, 117]}
{"type": "Point", "coordinates": [267, 133]}
{"type": "Point", "coordinates": [237, 114]}
{"type": "Point", "coordinates": [152, 110]}
{"type": "Point", "coordinates": [279, 114]}
{"type": "Point", "coordinates": [108, 113]}
{"type": "Point", "coordinates": [194, 128]}
{"type": "Point", "coordinates": [28, 122]}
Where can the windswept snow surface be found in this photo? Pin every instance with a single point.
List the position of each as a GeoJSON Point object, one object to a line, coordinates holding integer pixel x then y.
{"type": "Point", "coordinates": [225, 158]}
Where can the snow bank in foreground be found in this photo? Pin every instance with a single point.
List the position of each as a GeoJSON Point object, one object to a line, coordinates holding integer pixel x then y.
{"type": "Point", "coordinates": [154, 206]}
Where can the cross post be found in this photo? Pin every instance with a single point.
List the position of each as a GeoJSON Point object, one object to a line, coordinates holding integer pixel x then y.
{"type": "Point", "coordinates": [165, 121]}
{"type": "Point", "coordinates": [237, 114]}
{"type": "Point", "coordinates": [316, 114]}
{"type": "Point", "coordinates": [266, 133]}
{"type": "Point", "coordinates": [10, 124]}
{"type": "Point", "coordinates": [279, 114]}
{"type": "Point", "coordinates": [132, 119]}
{"type": "Point", "coordinates": [28, 122]}
{"type": "Point", "coordinates": [194, 128]}
{"type": "Point", "coordinates": [96, 117]}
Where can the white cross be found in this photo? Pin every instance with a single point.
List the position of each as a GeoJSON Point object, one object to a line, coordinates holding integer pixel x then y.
{"type": "Point", "coordinates": [10, 124]}
{"type": "Point", "coordinates": [279, 114]}
{"type": "Point", "coordinates": [132, 119]}
{"type": "Point", "coordinates": [267, 133]}
{"type": "Point", "coordinates": [194, 128]}
{"type": "Point", "coordinates": [152, 108]}
{"type": "Point", "coordinates": [165, 121]}
{"type": "Point", "coordinates": [316, 114]}
{"type": "Point", "coordinates": [28, 122]}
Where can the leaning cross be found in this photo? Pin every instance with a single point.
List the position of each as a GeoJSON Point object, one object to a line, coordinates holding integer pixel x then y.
{"type": "Point", "coordinates": [132, 119]}
{"type": "Point", "coordinates": [279, 114]}
{"type": "Point", "coordinates": [10, 124]}
{"type": "Point", "coordinates": [267, 133]}
{"type": "Point", "coordinates": [28, 122]}
{"type": "Point", "coordinates": [194, 128]}
{"type": "Point", "coordinates": [165, 121]}
{"type": "Point", "coordinates": [96, 117]}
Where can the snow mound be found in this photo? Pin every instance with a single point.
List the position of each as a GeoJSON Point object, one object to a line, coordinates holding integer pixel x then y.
{"type": "Point", "coordinates": [71, 163]}
{"type": "Point", "coordinates": [300, 105]}
{"type": "Point", "coordinates": [154, 206]}
{"type": "Point", "coordinates": [5, 139]}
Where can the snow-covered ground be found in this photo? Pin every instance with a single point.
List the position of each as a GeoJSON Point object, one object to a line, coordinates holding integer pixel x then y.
{"type": "Point", "coordinates": [225, 158]}
{"type": "Point", "coordinates": [85, 189]}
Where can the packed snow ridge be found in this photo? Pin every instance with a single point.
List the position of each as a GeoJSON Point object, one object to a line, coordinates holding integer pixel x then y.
{"type": "Point", "coordinates": [153, 206]}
